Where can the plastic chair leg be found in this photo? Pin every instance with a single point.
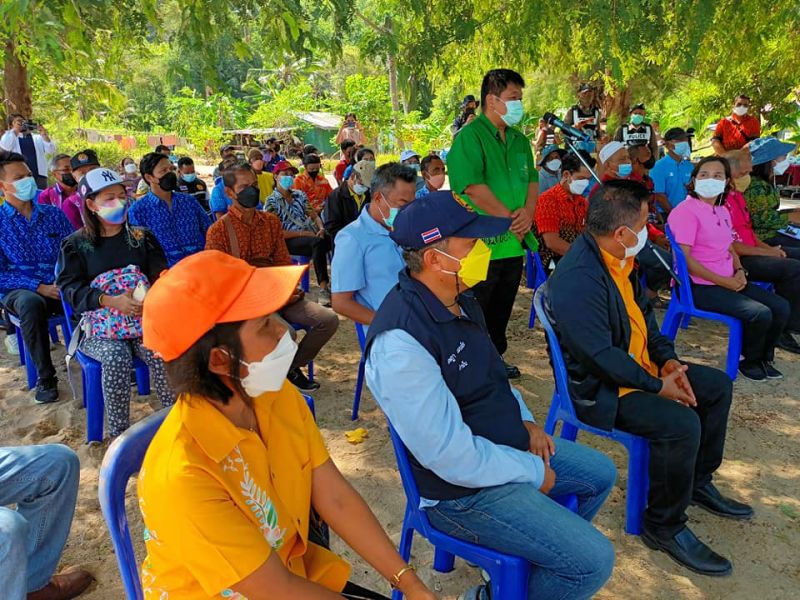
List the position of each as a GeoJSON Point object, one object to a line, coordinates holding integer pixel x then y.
{"type": "Point", "coordinates": [30, 368]}
{"type": "Point", "coordinates": [672, 320]}
{"type": "Point", "coordinates": [93, 397]}
{"type": "Point", "coordinates": [638, 486]}
{"type": "Point", "coordinates": [734, 351]}
{"type": "Point", "coordinates": [406, 539]}
{"type": "Point", "coordinates": [21, 346]}
{"type": "Point", "coordinates": [311, 371]}
{"type": "Point", "coordinates": [687, 320]}
{"type": "Point", "coordinates": [53, 327]}
{"type": "Point", "coordinates": [443, 561]}
{"type": "Point", "coordinates": [143, 381]}
{"type": "Point", "coordinates": [359, 387]}
{"type": "Point", "coordinates": [532, 317]}
{"type": "Point", "coordinates": [508, 581]}
{"type": "Point", "coordinates": [568, 431]}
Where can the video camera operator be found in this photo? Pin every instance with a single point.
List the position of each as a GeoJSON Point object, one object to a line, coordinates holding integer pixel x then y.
{"type": "Point", "coordinates": [31, 140]}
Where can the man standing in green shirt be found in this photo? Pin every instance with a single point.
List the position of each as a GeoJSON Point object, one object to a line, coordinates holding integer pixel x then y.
{"type": "Point", "coordinates": [491, 164]}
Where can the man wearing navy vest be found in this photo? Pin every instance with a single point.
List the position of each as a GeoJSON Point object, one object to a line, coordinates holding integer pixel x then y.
{"type": "Point", "coordinates": [485, 471]}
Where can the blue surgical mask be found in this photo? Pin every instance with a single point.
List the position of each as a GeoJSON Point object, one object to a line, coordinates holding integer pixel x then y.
{"type": "Point", "coordinates": [286, 181]}
{"type": "Point", "coordinates": [360, 189]}
{"type": "Point", "coordinates": [392, 214]}
{"type": "Point", "coordinates": [514, 112]}
{"type": "Point", "coordinates": [189, 177]}
{"type": "Point", "coordinates": [683, 149]}
{"type": "Point", "coordinates": [637, 119]}
{"type": "Point", "coordinates": [624, 170]}
{"type": "Point", "coordinates": [25, 189]}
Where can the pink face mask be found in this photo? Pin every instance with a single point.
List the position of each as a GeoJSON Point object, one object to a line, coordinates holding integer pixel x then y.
{"type": "Point", "coordinates": [437, 181]}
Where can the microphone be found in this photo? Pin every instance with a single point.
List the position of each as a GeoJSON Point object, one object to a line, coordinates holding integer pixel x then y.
{"type": "Point", "coordinates": [568, 130]}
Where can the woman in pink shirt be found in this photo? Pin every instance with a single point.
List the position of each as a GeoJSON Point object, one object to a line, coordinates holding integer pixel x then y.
{"type": "Point", "coordinates": [60, 195]}
{"type": "Point", "coordinates": [702, 227]}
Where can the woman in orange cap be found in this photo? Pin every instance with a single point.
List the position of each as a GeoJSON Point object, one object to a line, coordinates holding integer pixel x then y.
{"type": "Point", "coordinates": [230, 479]}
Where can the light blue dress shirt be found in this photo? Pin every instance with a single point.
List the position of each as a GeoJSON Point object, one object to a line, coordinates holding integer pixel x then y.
{"type": "Point", "coordinates": [548, 180]}
{"type": "Point", "coordinates": [670, 178]}
{"type": "Point", "coordinates": [408, 385]}
{"type": "Point", "coordinates": [366, 262]}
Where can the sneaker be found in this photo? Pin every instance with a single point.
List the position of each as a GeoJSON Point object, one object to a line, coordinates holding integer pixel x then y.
{"type": "Point", "coordinates": [512, 372]}
{"type": "Point", "coordinates": [785, 342]}
{"type": "Point", "coordinates": [771, 371]}
{"type": "Point", "coordinates": [324, 297]}
{"type": "Point", "coordinates": [46, 390]}
{"type": "Point", "coordinates": [474, 593]}
{"type": "Point", "coordinates": [12, 346]}
{"type": "Point", "coordinates": [298, 379]}
{"type": "Point", "coordinates": [752, 371]}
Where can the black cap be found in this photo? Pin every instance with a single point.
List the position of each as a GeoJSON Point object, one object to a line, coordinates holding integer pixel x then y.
{"type": "Point", "coordinates": [639, 106]}
{"type": "Point", "coordinates": [470, 98]}
{"type": "Point", "coordinates": [676, 133]}
{"type": "Point", "coordinates": [584, 88]}
{"type": "Point", "coordinates": [84, 158]}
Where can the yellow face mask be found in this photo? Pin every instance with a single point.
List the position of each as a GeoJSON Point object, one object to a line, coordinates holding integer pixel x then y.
{"type": "Point", "coordinates": [742, 183]}
{"type": "Point", "coordinates": [474, 266]}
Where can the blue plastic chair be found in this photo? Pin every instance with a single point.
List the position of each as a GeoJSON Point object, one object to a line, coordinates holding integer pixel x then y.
{"type": "Point", "coordinates": [561, 409]}
{"type": "Point", "coordinates": [25, 359]}
{"type": "Point", "coordinates": [362, 341]}
{"type": "Point", "coordinates": [535, 276]}
{"type": "Point", "coordinates": [305, 282]}
{"type": "Point", "coordinates": [681, 309]}
{"type": "Point", "coordinates": [92, 385]}
{"type": "Point", "coordinates": [508, 574]}
{"type": "Point", "coordinates": [124, 458]}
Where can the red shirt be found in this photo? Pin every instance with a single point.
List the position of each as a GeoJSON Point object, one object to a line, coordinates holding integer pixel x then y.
{"type": "Point", "coordinates": [341, 167]}
{"type": "Point", "coordinates": [735, 131]}
{"type": "Point", "coordinates": [740, 219]}
{"type": "Point", "coordinates": [317, 189]}
{"type": "Point", "coordinates": [558, 211]}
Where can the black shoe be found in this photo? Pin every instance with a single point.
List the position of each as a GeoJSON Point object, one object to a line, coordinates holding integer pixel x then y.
{"type": "Point", "coordinates": [752, 371]}
{"type": "Point", "coordinates": [788, 343]}
{"type": "Point", "coordinates": [46, 391]}
{"type": "Point", "coordinates": [298, 379]}
{"type": "Point", "coordinates": [686, 550]}
{"type": "Point", "coordinates": [771, 371]}
{"type": "Point", "coordinates": [709, 498]}
{"type": "Point", "coordinates": [512, 372]}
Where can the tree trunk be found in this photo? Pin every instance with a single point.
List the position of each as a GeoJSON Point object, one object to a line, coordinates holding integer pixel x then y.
{"type": "Point", "coordinates": [391, 64]}
{"type": "Point", "coordinates": [17, 89]}
{"type": "Point", "coordinates": [617, 103]}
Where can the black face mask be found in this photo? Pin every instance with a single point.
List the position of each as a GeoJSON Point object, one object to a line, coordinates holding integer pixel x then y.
{"type": "Point", "coordinates": [248, 197]}
{"type": "Point", "coordinates": [169, 182]}
{"type": "Point", "coordinates": [68, 180]}
{"type": "Point", "coordinates": [649, 163]}
{"type": "Point", "coordinates": [312, 174]}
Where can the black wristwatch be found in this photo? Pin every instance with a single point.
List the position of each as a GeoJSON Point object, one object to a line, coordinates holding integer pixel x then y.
{"type": "Point", "coordinates": [742, 269]}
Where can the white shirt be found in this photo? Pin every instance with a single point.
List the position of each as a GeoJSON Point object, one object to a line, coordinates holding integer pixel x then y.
{"type": "Point", "coordinates": [44, 150]}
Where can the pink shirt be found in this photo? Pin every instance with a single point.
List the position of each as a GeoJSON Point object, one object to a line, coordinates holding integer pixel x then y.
{"type": "Point", "coordinates": [708, 231]}
{"type": "Point", "coordinates": [70, 205]}
{"type": "Point", "coordinates": [740, 219]}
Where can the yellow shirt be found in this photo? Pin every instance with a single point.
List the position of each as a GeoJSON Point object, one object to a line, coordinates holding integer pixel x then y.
{"type": "Point", "coordinates": [217, 500]}
{"type": "Point", "coordinates": [266, 183]}
{"type": "Point", "coordinates": [638, 346]}
{"type": "Point", "coordinates": [359, 198]}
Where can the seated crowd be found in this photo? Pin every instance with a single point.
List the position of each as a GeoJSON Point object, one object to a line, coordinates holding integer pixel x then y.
{"type": "Point", "coordinates": [237, 485]}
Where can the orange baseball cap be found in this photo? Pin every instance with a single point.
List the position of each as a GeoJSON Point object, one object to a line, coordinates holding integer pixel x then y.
{"type": "Point", "coordinates": [207, 288]}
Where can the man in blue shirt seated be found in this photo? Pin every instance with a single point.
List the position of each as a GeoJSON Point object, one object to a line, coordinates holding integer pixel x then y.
{"type": "Point", "coordinates": [177, 220]}
{"type": "Point", "coordinates": [367, 261]}
{"type": "Point", "coordinates": [671, 173]}
{"type": "Point", "coordinates": [30, 239]}
{"type": "Point", "coordinates": [486, 472]}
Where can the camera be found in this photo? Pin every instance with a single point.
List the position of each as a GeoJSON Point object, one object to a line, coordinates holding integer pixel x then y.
{"type": "Point", "coordinates": [30, 126]}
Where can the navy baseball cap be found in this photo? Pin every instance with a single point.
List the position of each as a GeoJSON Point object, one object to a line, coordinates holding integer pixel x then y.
{"type": "Point", "coordinates": [441, 215]}
{"type": "Point", "coordinates": [85, 158]}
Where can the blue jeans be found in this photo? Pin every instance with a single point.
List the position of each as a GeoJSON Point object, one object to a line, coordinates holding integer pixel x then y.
{"type": "Point", "coordinates": [570, 558]}
{"type": "Point", "coordinates": [43, 482]}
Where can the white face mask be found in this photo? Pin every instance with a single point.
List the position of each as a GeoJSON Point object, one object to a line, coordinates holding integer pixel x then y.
{"type": "Point", "coordinates": [269, 373]}
{"type": "Point", "coordinates": [740, 110]}
{"type": "Point", "coordinates": [780, 168]}
{"type": "Point", "coordinates": [709, 188]}
{"type": "Point", "coordinates": [130, 168]}
{"type": "Point", "coordinates": [553, 165]}
{"type": "Point", "coordinates": [578, 186]}
{"type": "Point", "coordinates": [641, 240]}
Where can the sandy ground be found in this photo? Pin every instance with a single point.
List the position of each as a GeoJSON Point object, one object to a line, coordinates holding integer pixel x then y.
{"type": "Point", "coordinates": [761, 467]}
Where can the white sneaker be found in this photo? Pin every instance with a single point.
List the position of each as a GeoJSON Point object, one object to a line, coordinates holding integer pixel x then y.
{"type": "Point", "coordinates": [12, 347]}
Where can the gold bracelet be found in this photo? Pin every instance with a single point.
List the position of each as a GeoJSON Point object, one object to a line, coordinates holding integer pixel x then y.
{"type": "Point", "coordinates": [395, 581]}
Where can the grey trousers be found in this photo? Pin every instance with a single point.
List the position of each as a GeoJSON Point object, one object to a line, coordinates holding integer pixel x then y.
{"type": "Point", "coordinates": [320, 324]}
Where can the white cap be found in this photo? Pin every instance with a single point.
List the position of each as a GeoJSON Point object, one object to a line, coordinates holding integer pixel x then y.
{"type": "Point", "coordinates": [97, 180]}
{"type": "Point", "coordinates": [609, 150]}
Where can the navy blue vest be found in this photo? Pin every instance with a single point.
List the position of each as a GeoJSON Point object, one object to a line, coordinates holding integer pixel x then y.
{"type": "Point", "coordinates": [471, 367]}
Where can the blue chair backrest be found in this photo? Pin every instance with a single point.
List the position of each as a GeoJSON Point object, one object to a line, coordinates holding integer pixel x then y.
{"type": "Point", "coordinates": [540, 303]}
{"type": "Point", "coordinates": [535, 273]}
{"type": "Point", "coordinates": [683, 290]}
{"type": "Point", "coordinates": [362, 336]}
{"type": "Point", "coordinates": [407, 478]}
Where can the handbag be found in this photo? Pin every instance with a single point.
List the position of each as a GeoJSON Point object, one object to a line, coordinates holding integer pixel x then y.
{"type": "Point", "coordinates": [109, 323]}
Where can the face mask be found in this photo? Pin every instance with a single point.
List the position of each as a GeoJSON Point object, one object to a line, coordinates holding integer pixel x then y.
{"type": "Point", "coordinates": [780, 168]}
{"type": "Point", "coordinates": [114, 214]}
{"type": "Point", "coordinates": [392, 214]}
{"type": "Point", "coordinates": [416, 167]}
{"type": "Point", "coordinates": [436, 181]}
{"type": "Point", "coordinates": [514, 112]}
{"type": "Point", "coordinates": [130, 168]}
{"type": "Point", "coordinates": [553, 165]}
{"type": "Point", "coordinates": [641, 240]}
{"type": "Point", "coordinates": [740, 110]}
{"type": "Point", "coordinates": [286, 181]}
{"type": "Point", "coordinates": [683, 149]}
{"type": "Point", "coordinates": [313, 174]}
{"type": "Point", "coordinates": [169, 182]}
{"type": "Point", "coordinates": [637, 119]}
{"type": "Point", "coordinates": [25, 189]}
{"type": "Point", "coordinates": [68, 180]}
{"type": "Point", "coordinates": [189, 177]}
{"type": "Point", "coordinates": [248, 197]}
{"type": "Point", "coordinates": [360, 189]}
{"type": "Point", "coordinates": [709, 188]}
{"type": "Point", "coordinates": [269, 373]}
{"type": "Point", "coordinates": [578, 186]}
{"type": "Point", "coordinates": [742, 183]}
{"type": "Point", "coordinates": [624, 170]}
{"type": "Point", "coordinates": [649, 163]}
{"type": "Point", "coordinates": [474, 266]}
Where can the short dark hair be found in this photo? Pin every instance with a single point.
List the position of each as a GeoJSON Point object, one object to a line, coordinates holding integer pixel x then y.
{"type": "Point", "coordinates": [229, 173]}
{"type": "Point", "coordinates": [428, 160]}
{"type": "Point", "coordinates": [6, 158]}
{"type": "Point", "coordinates": [362, 151]}
{"type": "Point", "coordinates": [149, 162]}
{"type": "Point", "coordinates": [497, 80]}
{"type": "Point", "coordinates": [185, 161]}
{"type": "Point", "coordinates": [189, 373]}
{"type": "Point", "coordinates": [161, 147]}
{"type": "Point", "coordinates": [346, 144]}
{"type": "Point", "coordinates": [634, 150]}
{"type": "Point", "coordinates": [762, 171]}
{"type": "Point", "coordinates": [387, 175]}
{"type": "Point", "coordinates": [310, 159]}
{"type": "Point", "coordinates": [615, 204]}
{"type": "Point", "coordinates": [742, 97]}
{"type": "Point", "coordinates": [572, 163]}
{"type": "Point", "coordinates": [701, 163]}
{"type": "Point", "coordinates": [14, 116]}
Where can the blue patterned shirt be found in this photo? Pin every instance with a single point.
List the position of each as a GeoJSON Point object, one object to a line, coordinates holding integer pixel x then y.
{"type": "Point", "coordinates": [290, 214]}
{"type": "Point", "coordinates": [181, 231]}
{"type": "Point", "coordinates": [29, 249]}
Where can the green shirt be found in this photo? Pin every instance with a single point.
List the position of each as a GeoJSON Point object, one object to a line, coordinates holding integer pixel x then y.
{"type": "Point", "coordinates": [479, 156]}
{"type": "Point", "coordinates": [763, 202]}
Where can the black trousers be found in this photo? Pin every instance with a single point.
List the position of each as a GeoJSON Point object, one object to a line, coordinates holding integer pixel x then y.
{"type": "Point", "coordinates": [33, 311]}
{"type": "Point", "coordinates": [496, 296]}
{"type": "Point", "coordinates": [784, 273]}
{"type": "Point", "coordinates": [686, 444]}
{"type": "Point", "coordinates": [356, 592]}
{"type": "Point", "coordinates": [783, 240]}
{"type": "Point", "coordinates": [316, 248]}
